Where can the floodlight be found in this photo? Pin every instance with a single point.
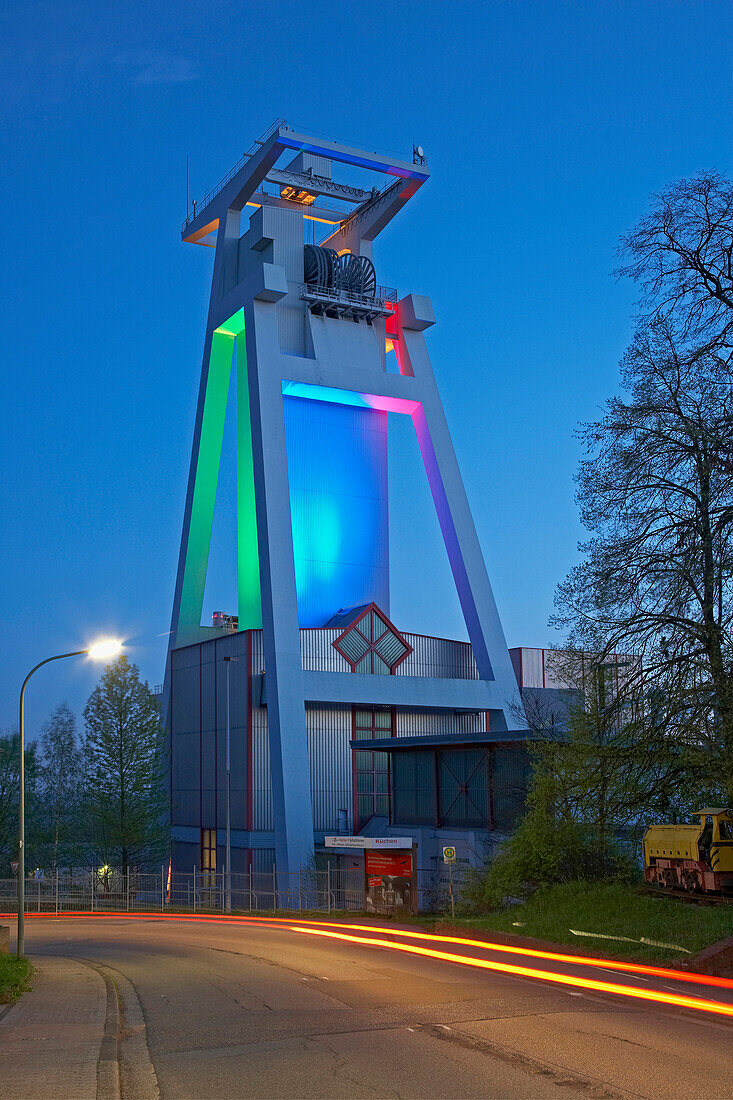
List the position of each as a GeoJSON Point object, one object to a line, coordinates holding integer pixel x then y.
{"type": "Point", "coordinates": [108, 647]}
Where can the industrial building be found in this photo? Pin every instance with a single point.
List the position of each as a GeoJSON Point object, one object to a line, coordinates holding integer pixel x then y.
{"type": "Point", "coordinates": [340, 721]}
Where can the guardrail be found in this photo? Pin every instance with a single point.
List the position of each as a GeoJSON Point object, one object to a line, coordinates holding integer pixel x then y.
{"type": "Point", "coordinates": [210, 195]}
{"type": "Point", "coordinates": [348, 300]}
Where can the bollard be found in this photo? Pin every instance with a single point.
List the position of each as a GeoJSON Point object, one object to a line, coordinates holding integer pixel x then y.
{"type": "Point", "coordinates": [4, 939]}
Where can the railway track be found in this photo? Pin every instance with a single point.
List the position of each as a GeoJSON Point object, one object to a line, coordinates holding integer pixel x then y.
{"type": "Point", "coordinates": [684, 895]}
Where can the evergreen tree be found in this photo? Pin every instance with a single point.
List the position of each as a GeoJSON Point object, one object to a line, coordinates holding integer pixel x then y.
{"type": "Point", "coordinates": [123, 761]}
{"type": "Point", "coordinates": [9, 779]}
{"type": "Point", "coordinates": [61, 790]}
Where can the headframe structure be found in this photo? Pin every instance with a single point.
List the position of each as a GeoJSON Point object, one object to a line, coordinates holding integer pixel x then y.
{"type": "Point", "coordinates": [317, 334]}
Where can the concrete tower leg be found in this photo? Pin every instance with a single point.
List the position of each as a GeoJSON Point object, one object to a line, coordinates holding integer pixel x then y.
{"type": "Point", "coordinates": [291, 794]}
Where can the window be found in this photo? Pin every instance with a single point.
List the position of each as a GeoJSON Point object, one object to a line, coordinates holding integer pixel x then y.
{"type": "Point", "coordinates": [371, 767]}
{"type": "Point", "coordinates": [371, 644]}
{"type": "Point", "coordinates": [208, 850]}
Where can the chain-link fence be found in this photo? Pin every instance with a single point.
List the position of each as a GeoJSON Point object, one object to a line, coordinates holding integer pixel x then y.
{"type": "Point", "coordinates": [90, 891]}
{"type": "Point", "coordinates": [439, 883]}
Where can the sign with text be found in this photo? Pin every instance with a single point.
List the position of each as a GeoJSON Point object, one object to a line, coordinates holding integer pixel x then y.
{"type": "Point", "coordinates": [449, 855]}
{"type": "Point", "coordinates": [374, 843]}
{"type": "Point", "coordinates": [390, 886]}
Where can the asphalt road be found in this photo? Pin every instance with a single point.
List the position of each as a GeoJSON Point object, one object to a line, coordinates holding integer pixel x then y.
{"type": "Point", "coordinates": [249, 1010]}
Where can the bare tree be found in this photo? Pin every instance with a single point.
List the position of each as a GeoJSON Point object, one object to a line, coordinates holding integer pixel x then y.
{"type": "Point", "coordinates": [681, 253]}
{"type": "Point", "coordinates": [656, 488]}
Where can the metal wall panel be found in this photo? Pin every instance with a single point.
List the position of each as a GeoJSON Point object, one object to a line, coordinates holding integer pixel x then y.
{"type": "Point", "coordinates": [438, 657]}
{"type": "Point", "coordinates": [435, 657]}
{"type": "Point", "coordinates": [186, 780]}
{"type": "Point", "coordinates": [329, 733]}
{"type": "Point", "coordinates": [263, 859]}
{"type": "Point", "coordinates": [258, 652]}
{"type": "Point", "coordinates": [532, 667]}
{"type": "Point", "coordinates": [416, 723]}
{"type": "Point", "coordinates": [261, 783]}
{"type": "Point", "coordinates": [317, 651]}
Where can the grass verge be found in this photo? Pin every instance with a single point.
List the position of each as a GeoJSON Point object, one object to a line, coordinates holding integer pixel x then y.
{"type": "Point", "coordinates": [15, 975]}
{"type": "Point", "coordinates": [610, 909]}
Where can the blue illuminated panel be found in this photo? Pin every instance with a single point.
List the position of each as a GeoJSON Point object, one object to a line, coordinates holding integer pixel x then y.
{"type": "Point", "coordinates": [337, 470]}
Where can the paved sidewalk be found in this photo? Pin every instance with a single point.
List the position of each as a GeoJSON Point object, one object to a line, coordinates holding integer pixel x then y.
{"type": "Point", "coordinates": [51, 1039]}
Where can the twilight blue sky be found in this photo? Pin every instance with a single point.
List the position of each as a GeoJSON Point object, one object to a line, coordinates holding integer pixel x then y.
{"type": "Point", "coordinates": [547, 125]}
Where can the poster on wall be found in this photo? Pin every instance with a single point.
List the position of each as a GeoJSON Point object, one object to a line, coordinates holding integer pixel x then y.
{"type": "Point", "coordinates": [389, 886]}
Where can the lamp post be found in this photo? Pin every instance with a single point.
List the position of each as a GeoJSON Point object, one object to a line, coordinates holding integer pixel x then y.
{"type": "Point", "coordinates": [99, 651]}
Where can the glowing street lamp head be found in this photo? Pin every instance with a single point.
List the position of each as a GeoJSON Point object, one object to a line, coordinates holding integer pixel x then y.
{"type": "Point", "coordinates": [102, 651]}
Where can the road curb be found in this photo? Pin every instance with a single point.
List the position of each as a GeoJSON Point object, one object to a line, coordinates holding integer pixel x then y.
{"type": "Point", "coordinates": [108, 1063]}
{"type": "Point", "coordinates": [108, 1066]}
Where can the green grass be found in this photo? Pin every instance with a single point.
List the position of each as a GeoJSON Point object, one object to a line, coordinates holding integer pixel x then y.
{"type": "Point", "coordinates": [612, 910]}
{"type": "Point", "coordinates": [15, 975]}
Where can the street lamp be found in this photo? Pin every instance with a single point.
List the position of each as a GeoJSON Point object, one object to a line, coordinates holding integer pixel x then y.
{"type": "Point", "coordinates": [100, 651]}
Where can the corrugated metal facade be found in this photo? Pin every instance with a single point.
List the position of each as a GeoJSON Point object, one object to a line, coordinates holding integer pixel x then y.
{"type": "Point", "coordinates": [438, 657]}
{"type": "Point", "coordinates": [410, 723]}
{"type": "Point", "coordinates": [553, 668]}
{"type": "Point", "coordinates": [261, 786]}
{"type": "Point", "coordinates": [329, 733]}
{"type": "Point", "coordinates": [435, 657]}
{"type": "Point", "coordinates": [198, 724]}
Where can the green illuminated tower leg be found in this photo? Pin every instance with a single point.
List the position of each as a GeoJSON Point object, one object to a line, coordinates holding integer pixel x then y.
{"type": "Point", "coordinates": [197, 539]}
{"type": "Point", "coordinates": [248, 561]}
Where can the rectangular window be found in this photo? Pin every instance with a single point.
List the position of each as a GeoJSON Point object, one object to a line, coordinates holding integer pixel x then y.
{"type": "Point", "coordinates": [370, 779]}
{"type": "Point", "coordinates": [208, 849]}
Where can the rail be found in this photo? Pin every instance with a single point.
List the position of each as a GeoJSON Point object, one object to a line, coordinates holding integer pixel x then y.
{"type": "Point", "coordinates": [379, 304]}
{"type": "Point", "coordinates": [211, 194]}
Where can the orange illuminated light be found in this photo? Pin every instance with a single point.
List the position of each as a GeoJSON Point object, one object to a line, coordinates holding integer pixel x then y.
{"type": "Point", "coordinates": [679, 1000]}
{"type": "Point", "coordinates": [551, 956]}
{"type": "Point", "coordinates": [294, 924]}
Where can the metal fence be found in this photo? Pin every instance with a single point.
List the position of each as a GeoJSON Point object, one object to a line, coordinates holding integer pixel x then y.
{"type": "Point", "coordinates": [90, 891]}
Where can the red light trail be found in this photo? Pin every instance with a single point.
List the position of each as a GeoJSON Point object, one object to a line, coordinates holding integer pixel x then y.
{"type": "Point", "coordinates": [345, 934]}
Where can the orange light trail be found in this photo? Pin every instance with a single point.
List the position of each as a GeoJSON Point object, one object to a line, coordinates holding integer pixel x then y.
{"type": "Point", "coordinates": [552, 956]}
{"type": "Point", "coordinates": [677, 999]}
{"type": "Point", "coordinates": [296, 924]}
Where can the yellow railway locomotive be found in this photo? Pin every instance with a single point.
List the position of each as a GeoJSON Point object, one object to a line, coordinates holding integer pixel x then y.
{"type": "Point", "coordinates": [698, 858]}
